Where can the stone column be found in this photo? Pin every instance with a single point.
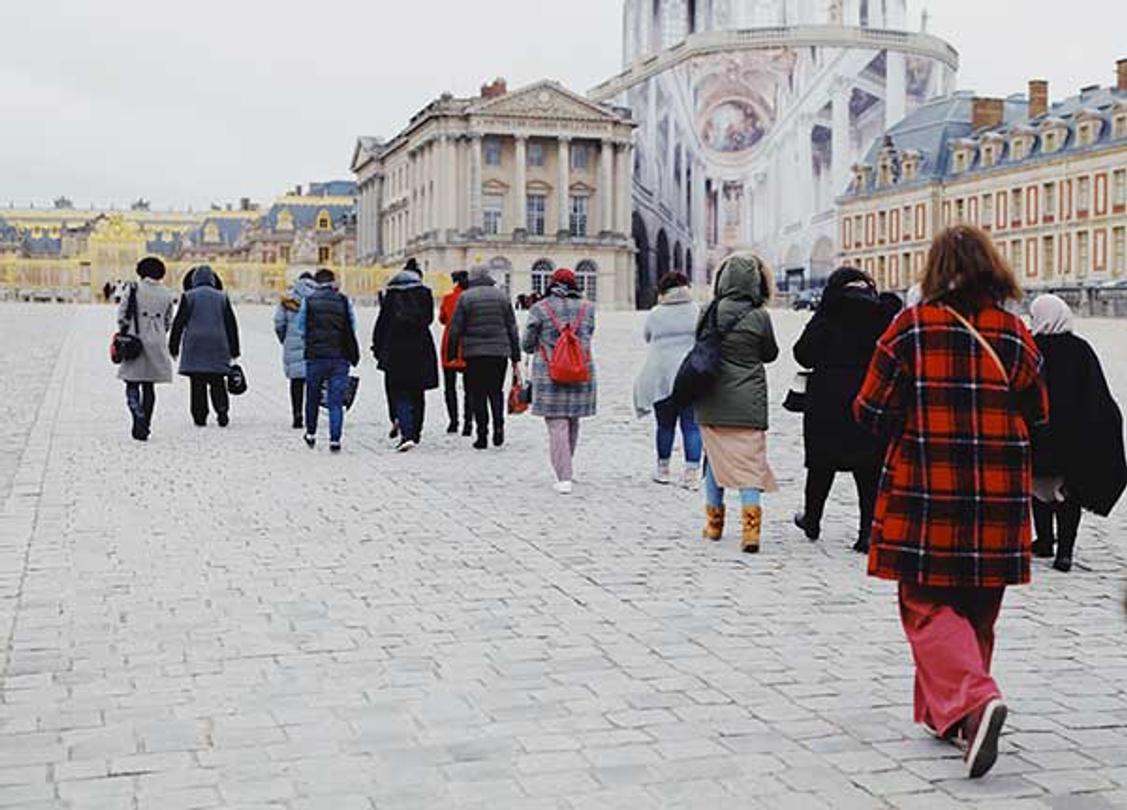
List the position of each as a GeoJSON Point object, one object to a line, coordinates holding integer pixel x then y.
{"type": "Point", "coordinates": [650, 170]}
{"type": "Point", "coordinates": [520, 184]}
{"type": "Point", "coordinates": [895, 89]}
{"type": "Point", "coordinates": [476, 222]}
{"type": "Point", "coordinates": [841, 137]}
{"type": "Point", "coordinates": [606, 187]}
{"type": "Point", "coordinates": [563, 186]}
{"type": "Point", "coordinates": [623, 189]}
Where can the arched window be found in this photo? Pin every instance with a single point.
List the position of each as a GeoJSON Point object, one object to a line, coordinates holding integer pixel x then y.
{"type": "Point", "coordinates": [502, 271]}
{"type": "Point", "coordinates": [677, 265]}
{"type": "Point", "coordinates": [587, 274]}
{"type": "Point", "coordinates": [541, 273]}
{"type": "Point", "coordinates": [285, 220]}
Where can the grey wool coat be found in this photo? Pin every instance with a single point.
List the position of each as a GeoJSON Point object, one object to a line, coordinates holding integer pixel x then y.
{"type": "Point", "coordinates": [739, 398]}
{"type": "Point", "coordinates": [540, 335]}
{"type": "Point", "coordinates": [205, 326]}
{"type": "Point", "coordinates": [671, 329]}
{"type": "Point", "coordinates": [154, 319]}
{"type": "Point", "coordinates": [285, 327]}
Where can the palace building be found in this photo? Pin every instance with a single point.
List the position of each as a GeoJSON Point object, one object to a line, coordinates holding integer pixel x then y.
{"type": "Point", "coordinates": [523, 181]}
{"type": "Point", "coordinates": [1048, 181]}
{"type": "Point", "coordinates": [751, 114]}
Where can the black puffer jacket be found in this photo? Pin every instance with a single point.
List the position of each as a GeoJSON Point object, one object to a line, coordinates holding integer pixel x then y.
{"type": "Point", "coordinates": [838, 346]}
{"type": "Point", "coordinates": [401, 341]}
{"type": "Point", "coordinates": [330, 326]}
{"type": "Point", "coordinates": [484, 323]}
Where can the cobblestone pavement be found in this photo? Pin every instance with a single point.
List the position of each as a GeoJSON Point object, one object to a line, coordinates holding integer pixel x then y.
{"type": "Point", "coordinates": [225, 619]}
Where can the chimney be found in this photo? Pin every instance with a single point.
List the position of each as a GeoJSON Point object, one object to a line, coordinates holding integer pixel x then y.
{"type": "Point", "coordinates": [297, 191]}
{"type": "Point", "coordinates": [495, 89]}
{"type": "Point", "coordinates": [986, 113]}
{"type": "Point", "coordinates": [244, 203]}
{"type": "Point", "coordinates": [1121, 74]}
{"type": "Point", "coordinates": [1038, 98]}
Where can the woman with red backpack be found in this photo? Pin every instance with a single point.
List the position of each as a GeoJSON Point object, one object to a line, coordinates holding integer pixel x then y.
{"type": "Point", "coordinates": [558, 336]}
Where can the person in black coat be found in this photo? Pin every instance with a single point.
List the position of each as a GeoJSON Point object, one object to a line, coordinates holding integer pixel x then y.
{"type": "Point", "coordinates": [404, 350]}
{"type": "Point", "coordinates": [1078, 459]}
{"type": "Point", "coordinates": [206, 327]}
{"type": "Point", "coordinates": [837, 346]}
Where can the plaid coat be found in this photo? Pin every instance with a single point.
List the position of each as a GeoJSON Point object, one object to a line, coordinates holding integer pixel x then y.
{"type": "Point", "coordinates": [953, 508]}
{"type": "Point", "coordinates": [540, 335]}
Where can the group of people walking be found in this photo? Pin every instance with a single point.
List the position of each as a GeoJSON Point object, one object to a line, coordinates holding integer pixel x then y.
{"type": "Point", "coordinates": [956, 421]}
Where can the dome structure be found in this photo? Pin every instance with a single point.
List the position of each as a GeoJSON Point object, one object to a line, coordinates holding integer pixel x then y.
{"type": "Point", "coordinates": [751, 114]}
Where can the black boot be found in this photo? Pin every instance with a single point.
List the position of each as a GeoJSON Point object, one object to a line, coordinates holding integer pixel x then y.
{"type": "Point", "coordinates": [862, 544]}
{"type": "Point", "coordinates": [498, 436]}
{"type": "Point", "coordinates": [1068, 526]}
{"type": "Point", "coordinates": [1044, 515]}
{"type": "Point", "coordinates": [482, 441]}
{"type": "Point", "coordinates": [452, 428]}
{"type": "Point", "coordinates": [812, 530]}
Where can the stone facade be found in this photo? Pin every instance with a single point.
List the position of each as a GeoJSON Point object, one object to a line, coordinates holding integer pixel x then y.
{"type": "Point", "coordinates": [1048, 182]}
{"type": "Point", "coordinates": [524, 181]}
{"type": "Point", "coordinates": [751, 113]}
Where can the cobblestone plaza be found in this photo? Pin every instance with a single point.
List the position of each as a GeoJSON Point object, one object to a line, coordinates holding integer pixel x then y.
{"type": "Point", "coordinates": [225, 619]}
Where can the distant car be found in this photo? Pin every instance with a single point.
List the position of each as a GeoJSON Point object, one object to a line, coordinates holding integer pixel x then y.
{"type": "Point", "coordinates": [807, 299]}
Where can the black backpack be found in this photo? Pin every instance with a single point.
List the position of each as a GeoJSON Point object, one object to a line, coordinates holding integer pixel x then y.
{"type": "Point", "coordinates": [701, 367]}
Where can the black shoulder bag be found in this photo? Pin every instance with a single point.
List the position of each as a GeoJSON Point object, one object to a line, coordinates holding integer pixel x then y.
{"type": "Point", "coordinates": [125, 346]}
{"type": "Point", "coordinates": [701, 367]}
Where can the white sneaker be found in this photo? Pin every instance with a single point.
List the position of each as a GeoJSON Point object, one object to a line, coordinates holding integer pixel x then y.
{"type": "Point", "coordinates": [405, 446]}
{"type": "Point", "coordinates": [661, 474]}
{"type": "Point", "coordinates": [562, 487]}
{"type": "Point", "coordinates": [690, 480]}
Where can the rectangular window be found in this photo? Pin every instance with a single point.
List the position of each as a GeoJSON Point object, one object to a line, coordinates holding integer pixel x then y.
{"type": "Point", "coordinates": [491, 151]}
{"type": "Point", "coordinates": [1119, 128]}
{"type": "Point", "coordinates": [580, 156]}
{"type": "Point", "coordinates": [579, 216]}
{"type": "Point", "coordinates": [1017, 257]}
{"type": "Point", "coordinates": [1083, 196]}
{"type": "Point", "coordinates": [882, 226]}
{"type": "Point", "coordinates": [1017, 150]}
{"type": "Point", "coordinates": [1016, 208]}
{"type": "Point", "coordinates": [1001, 219]}
{"type": "Point", "coordinates": [1119, 251]}
{"type": "Point", "coordinates": [857, 236]}
{"type": "Point", "coordinates": [1083, 253]}
{"type": "Point", "coordinates": [284, 252]}
{"type": "Point", "coordinates": [921, 221]}
{"type": "Point", "coordinates": [1100, 187]}
{"type": "Point", "coordinates": [1119, 188]}
{"type": "Point", "coordinates": [1099, 250]}
{"type": "Point", "coordinates": [1031, 205]}
{"type": "Point", "coordinates": [960, 211]}
{"type": "Point", "coordinates": [1030, 258]}
{"type": "Point", "coordinates": [1048, 257]}
{"type": "Point", "coordinates": [493, 207]}
{"type": "Point", "coordinates": [908, 225]}
{"type": "Point", "coordinates": [988, 210]}
{"type": "Point", "coordinates": [324, 254]}
{"type": "Point", "coordinates": [535, 153]}
{"type": "Point", "coordinates": [1050, 192]}
{"type": "Point", "coordinates": [846, 233]}
{"type": "Point", "coordinates": [536, 204]}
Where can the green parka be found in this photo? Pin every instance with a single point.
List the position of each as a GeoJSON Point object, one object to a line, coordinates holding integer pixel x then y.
{"type": "Point", "coordinates": [739, 398]}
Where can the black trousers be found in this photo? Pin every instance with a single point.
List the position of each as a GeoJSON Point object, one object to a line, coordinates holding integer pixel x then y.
{"type": "Point", "coordinates": [450, 391]}
{"type": "Point", "coordinates": [202, 385]}
{"type": "Point", "coordinates": [819, 482]}
{"type": "Point", "coordinates": [297, 398]}
{"type": "Point", "coordinates": [485, 382]}
{"type": "Point", "coordinates": [1066, 515]}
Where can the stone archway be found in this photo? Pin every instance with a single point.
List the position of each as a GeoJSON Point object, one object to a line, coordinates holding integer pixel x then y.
{"type": "Point", "coordinates": [678, 258]}
{"type": "Point", "coordinates": [645, 287]}
{"type": "Point", "coordinates": [821, 260]}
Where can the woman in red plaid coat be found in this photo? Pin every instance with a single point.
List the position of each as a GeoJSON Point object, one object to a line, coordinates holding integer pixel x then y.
{"type": "Point", "coordinates": [955, 386]}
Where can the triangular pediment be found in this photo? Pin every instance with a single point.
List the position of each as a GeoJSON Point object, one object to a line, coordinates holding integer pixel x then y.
{"type": "Point", "coordinates": [545, 99]}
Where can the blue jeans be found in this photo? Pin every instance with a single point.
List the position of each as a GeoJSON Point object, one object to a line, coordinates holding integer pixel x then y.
{"type": "Point", "coordinates": [667, 418]}
{"type": "Point", "coordinates": [714, 493]}
{"type": "Point", "coordinates": [316, 372]}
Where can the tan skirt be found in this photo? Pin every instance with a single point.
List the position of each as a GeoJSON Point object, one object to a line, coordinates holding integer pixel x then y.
{"type": "Point", "coordinates": [738, 458]}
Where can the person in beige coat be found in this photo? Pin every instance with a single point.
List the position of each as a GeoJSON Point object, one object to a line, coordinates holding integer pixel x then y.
{"type": "Point", "coordinates": [150, 319]}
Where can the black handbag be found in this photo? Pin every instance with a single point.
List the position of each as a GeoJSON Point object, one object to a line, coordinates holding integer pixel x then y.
{"type": "Point", "coordinates": [125, 346]}
{"type": "Point", "coordinates": [236, 381]}
{"type": "Point", "coordinates": [349, 393]}
{"type": "Point", "coordinates": [796, 396]}
{"type": "Point", "coordinates": [701, 367]}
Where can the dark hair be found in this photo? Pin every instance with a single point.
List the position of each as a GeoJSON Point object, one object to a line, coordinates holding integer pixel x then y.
{"type": "Point", "coordinates": [324, 276]}
{"type": "Point", "coordinates": [151, 267]}
{"type": "Point", "coordinates": [965, 270]}
{"type": "Point", "coordinates": [412, 266]}
{"type": "Point", "coordinates": [307, 276]}
{"type": "Point", "coordinates": [671, 281]}
{"type": "Point", "coordinates": [461, 278]}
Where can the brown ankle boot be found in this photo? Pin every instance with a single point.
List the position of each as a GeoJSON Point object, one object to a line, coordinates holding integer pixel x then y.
{"type": "Point", "coordinates": [714, 529]}
{"type": "Point", "coordinates": [752, 525]}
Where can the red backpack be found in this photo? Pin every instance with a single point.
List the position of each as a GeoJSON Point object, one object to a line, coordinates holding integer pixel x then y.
{"type": "Point", "coordinates": [569, 364]}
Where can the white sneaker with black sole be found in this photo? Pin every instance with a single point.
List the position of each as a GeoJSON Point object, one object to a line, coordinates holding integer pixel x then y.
{"type": "Point", "coordinates": [983, 750]}
{"type": "Point", "coordinates": [405, 446]}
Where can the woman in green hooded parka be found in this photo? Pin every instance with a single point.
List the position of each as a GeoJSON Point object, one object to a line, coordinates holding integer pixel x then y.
{"type": "Point", "coordinates": [733, 413]}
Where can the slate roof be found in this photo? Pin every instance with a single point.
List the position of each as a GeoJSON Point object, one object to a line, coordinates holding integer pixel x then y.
{"type": "Point", "coordinates": [333, 188]}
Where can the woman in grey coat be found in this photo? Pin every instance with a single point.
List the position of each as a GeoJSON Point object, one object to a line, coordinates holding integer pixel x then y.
{"type": "Point", "coordinates": [562, 406]}
{"type": "Point", "coordinates": [671, 329]}
{"type": "Point", "coordinates": [205, 324]}
{"type": "Point", "coordinates": [151, 322]}
{"type": "Point", "coordinates": [293, 346]}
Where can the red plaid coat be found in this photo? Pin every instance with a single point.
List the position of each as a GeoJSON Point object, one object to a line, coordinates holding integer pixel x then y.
{"type": "Point", "coordinates": [953, 508]}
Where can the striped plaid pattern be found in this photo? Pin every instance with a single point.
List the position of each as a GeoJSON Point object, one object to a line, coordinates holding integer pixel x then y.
{"type": "Point", "coordinates": [953, 509]}
{"type": "Point", "coordinates": [540, 335]}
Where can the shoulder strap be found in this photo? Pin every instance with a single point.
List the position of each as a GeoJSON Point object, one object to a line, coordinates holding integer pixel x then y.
{"type": "Point", "coordinates": [982, 342]}
{"type": "Point", "coordinates": [131, 310]}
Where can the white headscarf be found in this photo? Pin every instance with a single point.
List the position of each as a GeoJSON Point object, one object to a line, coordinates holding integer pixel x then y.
{"type": "Point", "coordinates": [1051, 315]}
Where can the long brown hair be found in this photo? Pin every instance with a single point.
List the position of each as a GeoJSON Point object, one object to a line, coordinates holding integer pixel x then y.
{"type": "Point", "coordinates": [965, 270]}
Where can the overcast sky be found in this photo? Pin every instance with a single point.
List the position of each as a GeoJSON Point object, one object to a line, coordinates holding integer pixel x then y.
{"type": "Point", "coordinates": [195, 101]}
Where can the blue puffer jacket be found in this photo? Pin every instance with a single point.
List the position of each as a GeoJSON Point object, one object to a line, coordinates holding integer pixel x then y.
{"type": "Point", "coordinates": [285, 327]}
